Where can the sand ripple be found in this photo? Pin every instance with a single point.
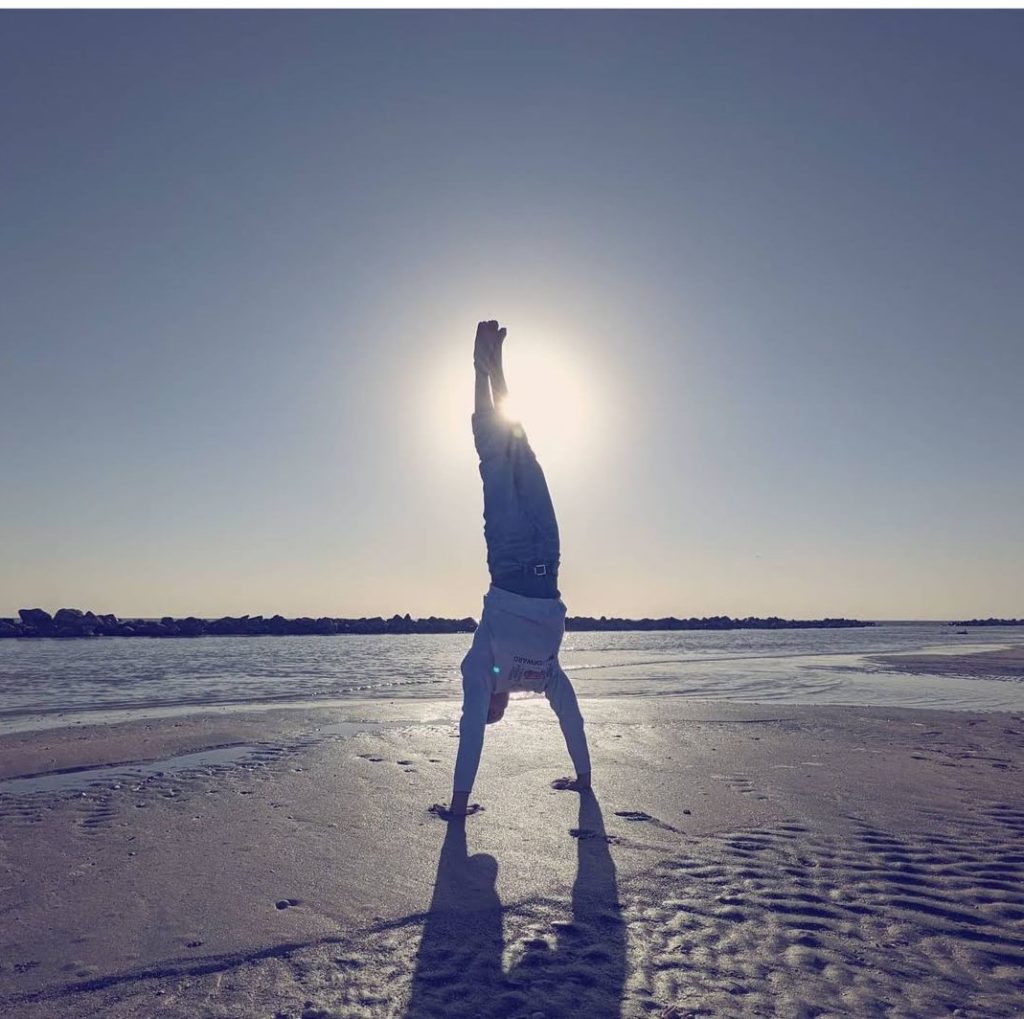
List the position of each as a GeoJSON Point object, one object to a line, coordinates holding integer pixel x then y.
{"type": "Point", "coordinates": [781, 920]}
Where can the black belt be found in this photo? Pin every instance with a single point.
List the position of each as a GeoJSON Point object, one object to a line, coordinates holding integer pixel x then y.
{"type": "Point", "coordinates": [536, 581]}
{"type": "Point", "coordinates": [536, 570]}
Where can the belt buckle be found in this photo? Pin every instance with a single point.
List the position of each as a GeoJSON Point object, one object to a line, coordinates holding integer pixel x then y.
{"type": "Point", "coordinates": [540, 570]}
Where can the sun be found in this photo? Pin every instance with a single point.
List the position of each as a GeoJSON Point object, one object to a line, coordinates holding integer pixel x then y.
{"type": "Point", "coordinates": [550, 397]}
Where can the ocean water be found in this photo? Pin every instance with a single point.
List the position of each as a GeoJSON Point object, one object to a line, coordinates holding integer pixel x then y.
{"type": "Point", "coordinates": [46, 683]}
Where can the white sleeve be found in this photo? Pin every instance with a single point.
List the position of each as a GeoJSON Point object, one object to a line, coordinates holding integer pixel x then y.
{"type": "Point", "coordinates": [476, 699]}
{"type": "Point", "coordinates": [562, 699]}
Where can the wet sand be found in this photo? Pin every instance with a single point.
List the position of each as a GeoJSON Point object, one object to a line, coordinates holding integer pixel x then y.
{"type": "Point", "coordinates": [1003, 663]}
{"type": "Point", "coordinates": [736, 860]}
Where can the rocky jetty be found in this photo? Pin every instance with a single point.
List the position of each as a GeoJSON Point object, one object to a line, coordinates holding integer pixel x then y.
{"type": "Point", "coordinates": [988, 622]}
{"type": "Point", "coordinates": [580, 623]}
{"type": "Point", "coordinates": [76, 623]}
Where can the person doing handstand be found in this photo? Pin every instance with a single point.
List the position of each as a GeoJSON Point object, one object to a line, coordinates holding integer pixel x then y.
{"type": "Point", "coordinates": [516, 645]}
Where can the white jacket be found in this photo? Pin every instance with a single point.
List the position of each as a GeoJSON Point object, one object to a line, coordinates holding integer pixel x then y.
{"type": "Point", "coordinates": [524, 636]}
{"type": "Point", "coordinates": [516, 647]}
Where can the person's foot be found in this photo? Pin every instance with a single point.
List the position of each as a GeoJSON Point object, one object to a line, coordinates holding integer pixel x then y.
{"type": "Point", "coordinates": [483, 348]}
{"type": "Point", "coordinates": [499, 339]}
{"type": "Point", "coordinates": [487, 347]}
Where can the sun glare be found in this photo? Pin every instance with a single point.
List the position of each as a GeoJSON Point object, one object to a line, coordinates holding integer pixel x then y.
{"type": "Point", "coordinates": [549, 397]}
{"type": "Point", "coordinates": [552, 394]}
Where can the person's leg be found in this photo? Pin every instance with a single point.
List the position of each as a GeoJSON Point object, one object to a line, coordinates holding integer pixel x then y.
{"type": "Point", "coordinates": [534, 497]}
{"type": "Point", "coordinates": [486, 352]}
{"type": "Point", "coordinates": [535, 500]}
{"type": "Point", "coordinates": [493, 437]}
{"type": "Point", "coordinates": [562, 699]}
{"type": "Point", "coordinates": [483, 358]}
{"type": "Point", "coordinates": [482, 402]}
{"type": "Point", "coordinates": [499, 387]}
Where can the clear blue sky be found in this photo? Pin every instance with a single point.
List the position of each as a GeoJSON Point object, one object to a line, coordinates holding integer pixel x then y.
{"type": "Point", "coordinates": [776, 258]}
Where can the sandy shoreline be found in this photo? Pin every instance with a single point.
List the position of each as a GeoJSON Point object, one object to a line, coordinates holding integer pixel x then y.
{"type": "Point", "coordinates": [736, 860]}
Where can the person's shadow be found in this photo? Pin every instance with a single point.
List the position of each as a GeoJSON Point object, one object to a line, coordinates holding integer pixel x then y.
{"type": "Point", "coordinates": [459, 970]}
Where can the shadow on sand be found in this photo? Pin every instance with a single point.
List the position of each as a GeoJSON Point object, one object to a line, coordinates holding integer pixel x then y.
{"type": "Point", "coordinates": [459, 969]}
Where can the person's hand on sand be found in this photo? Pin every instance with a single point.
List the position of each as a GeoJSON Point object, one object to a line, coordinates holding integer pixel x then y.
{"type": "Point", "coordinates": [579, 784]}
{"type": "Point", "coordinates": [456, 811]}
{"type": "Point", "coordinates": [461, 807]}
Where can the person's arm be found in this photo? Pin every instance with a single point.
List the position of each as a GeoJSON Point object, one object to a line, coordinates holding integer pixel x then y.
{"type": "Point", "coordinates": [471, 744]}
{"type": "Point", "coordinates": [562, 699]}
{"type": "Point", "coordinates": [476, 700]}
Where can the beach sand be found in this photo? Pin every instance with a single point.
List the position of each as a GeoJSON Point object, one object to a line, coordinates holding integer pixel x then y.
{"type": "Point", "coordinates": [736, 860]}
